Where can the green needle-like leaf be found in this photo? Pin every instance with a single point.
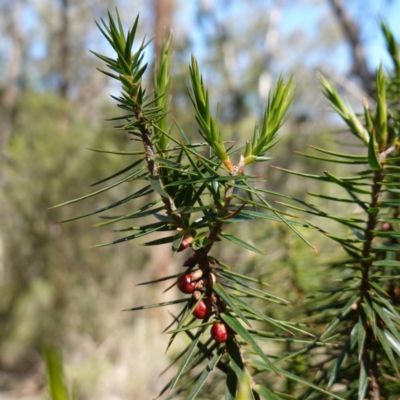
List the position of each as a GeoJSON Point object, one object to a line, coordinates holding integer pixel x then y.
{"type": "Point", "coordinates": [241, 243]}
{"type": "Point", "coordinates": [247, 337]}
{"type": "Point", "coordinates": [341, 317]}
{"type": "Point", "coordinates": [204, 375]}
{"type": "Point", "coordinates": [235, 358]}
{"type": "Point", "coordinates": [120, 153]}
{"type": "Point", "coordinates": [266, 393]}
{"type": "Point", "coordinates": [245, 306]}
{"type": "Point", "coordinates": [395, 344]}
{"type": "Point", "coordinates": [384, 314]}
{"type": "Point", "coordinates": [345, 185]}
{"type": "Point", "coordinates": [237, 275]}
{"type": "Point", "coordinates": [55, 374]}
{"type": "Point", "coordinates": [363, 380]}
{"type": "Point", "coordinates": [127, 178]}
{"type": "Point", "coordinates": [373, 157]}
{"type": "Point", "coordinates": [344, 110]}
{"type": "Point", "coordinates": [164, 240]}
{"type": "Point", "coordinates": [188, 357]}
{"type": "Point", "coordinates": [362, 334]}
{"type": "Point", "coordinates": [295, 378]}
{"type": "Point", "coordinates": [164, 278]}
{"type": "Point", "coordinates": [386, 345]}
{"type": "Point", "coordinates": [166, 303]}
{"type": "Point", "coordinates": [340, 359]}
{"type": "Point", "coordinates": [219, 289]}
{"type": "Point", "coordinates": [142, 192]}
{"type": "Point", "coordinates": [341, 155]}
{"type": "Point", "coordinates": [245, 391]}
{"type": "Point", "coordinates": [141, 212]}
{"type": "Point", "coordinates": [231, 384]}
{"type": "Point", "coordinates": [332, 160]}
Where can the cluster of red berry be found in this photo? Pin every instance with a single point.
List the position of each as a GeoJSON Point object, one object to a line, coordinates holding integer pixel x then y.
{"type": "Point", "coordinates": [198, 284]}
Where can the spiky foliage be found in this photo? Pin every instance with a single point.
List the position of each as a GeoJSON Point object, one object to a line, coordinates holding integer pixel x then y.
{"type": "Point", "coordinates": [197, 189]}
{"type": "Point", "coordinates": [360, 316]}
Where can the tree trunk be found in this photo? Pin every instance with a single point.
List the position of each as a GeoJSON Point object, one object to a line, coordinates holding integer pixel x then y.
{"type": "Point", "coordinates": [9, 97]}
{"type": "Point", "coordinates": [64, 51]}
{"type": "Point", "coordinates": [64, 68]}
{"type": "Point", "coordinates": [163, 10]}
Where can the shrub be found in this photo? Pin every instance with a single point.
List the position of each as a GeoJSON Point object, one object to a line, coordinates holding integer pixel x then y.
{"type": "Point", "coordinates": [345, 346]}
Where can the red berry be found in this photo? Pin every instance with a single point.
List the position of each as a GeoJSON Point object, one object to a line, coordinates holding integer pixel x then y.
{"type": "Point", "coordinates": [386, 226]}
{"type": "Point", "coordinates": [203, 309]}
{"type": "Point", "coordinates": [185, 283]}
{"type": "Point", "coordinates": [186, 242]}
{"type": "Point", "coordinates": [219, 332]}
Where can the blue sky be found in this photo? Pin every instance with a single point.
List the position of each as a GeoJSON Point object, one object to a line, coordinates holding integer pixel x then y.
{"type": "Point", "coordinates": [297, 15]}
{"type": "Point", "coordinates": [306, 15]}
{"type": "Point", "coordinates": [302, 16]}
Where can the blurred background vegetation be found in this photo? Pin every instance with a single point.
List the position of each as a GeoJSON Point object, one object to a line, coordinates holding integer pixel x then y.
{"type": "Point", "coordinates": [53, 102]}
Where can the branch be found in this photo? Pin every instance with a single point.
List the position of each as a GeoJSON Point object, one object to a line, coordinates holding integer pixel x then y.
{"type": "Point", "coordinates": [352, 33]}
{"type": "Point", "coordinates": [154, 168]}
{"type": "Point", "coordinates": [366, 264]}
{"type": "Point", "coordinates": [224, 210]}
